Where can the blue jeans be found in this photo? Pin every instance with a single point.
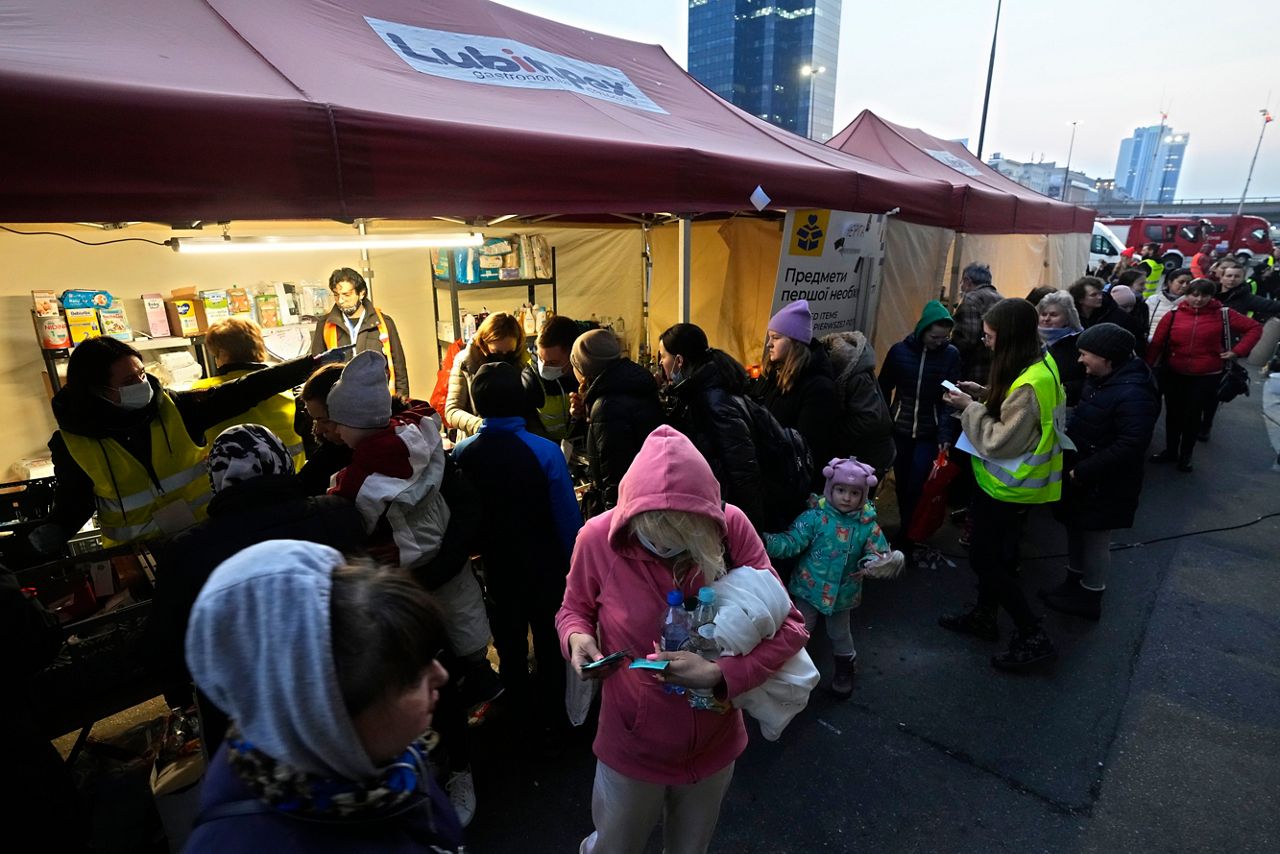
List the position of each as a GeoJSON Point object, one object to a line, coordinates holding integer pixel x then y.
{"type": "Point", "coordinates": [910, 470]}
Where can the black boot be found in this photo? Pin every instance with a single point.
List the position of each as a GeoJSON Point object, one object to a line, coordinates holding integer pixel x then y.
{"type": "Point", "coordinates": [1165, 456]}
{"type": "Point", "coordinates": [1029, 649]}
{"type": "Point", "coordinates": [1072, 580]}
{"type": "Point", "coordinates": [842, 681]}
{"type": "Point", "coordinates": [1077, 600]}
{"type": "Point", "coordinates": [979, 622]}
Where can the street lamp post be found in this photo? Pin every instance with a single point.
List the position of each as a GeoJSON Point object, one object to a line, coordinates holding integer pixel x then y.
{"type": "Point", "coordinates": [1066, 175]}
{"type": "Point", "coordinates": [1266, 120]}
{"type": "Point", "coordinates": [991, 69]}
{"type": "Point", "coordinates": [811, 71]}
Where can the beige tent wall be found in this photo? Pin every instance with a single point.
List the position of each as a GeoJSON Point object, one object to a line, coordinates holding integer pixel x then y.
{"type": "Point", "coordinates": [1068, 256]}
{"type": "Point", "coordinates": [599, 272]}
{"type": "Point", "coordinates": [915, 271]}
{"type": "Point", "coordinates": [1018, 261]}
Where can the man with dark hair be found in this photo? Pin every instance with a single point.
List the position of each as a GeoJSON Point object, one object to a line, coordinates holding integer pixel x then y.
{"type": "Point", "coordinates": [549, 382]}
{"type": "Point", "coordinates": [355, 320]}
{"type": "Point", "coordinates": [977, 295]}
{"type": "Point", "coordinates": [1152, 267]}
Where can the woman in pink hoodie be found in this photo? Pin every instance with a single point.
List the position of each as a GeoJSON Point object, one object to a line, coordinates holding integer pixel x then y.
{"type": "Point", "coordinates": [657, 756]}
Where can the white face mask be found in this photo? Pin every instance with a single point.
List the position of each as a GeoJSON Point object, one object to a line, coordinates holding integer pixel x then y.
{"type": "Point", "coordinates": [666, 553]}
{"type": "Point", "coordinates": [134, 396]}
{"type": "Point", "coordinates": [550, 373]}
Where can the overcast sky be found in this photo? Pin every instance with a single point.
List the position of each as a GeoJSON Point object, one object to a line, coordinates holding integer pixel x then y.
{"type": "Point", "coordinates": [1111, 65]}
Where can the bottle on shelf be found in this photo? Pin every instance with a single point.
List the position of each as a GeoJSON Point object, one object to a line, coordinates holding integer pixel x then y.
{"type": "Point", "coordinates": [675, 630]}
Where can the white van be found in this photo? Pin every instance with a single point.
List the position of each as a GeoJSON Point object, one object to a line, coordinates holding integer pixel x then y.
{"type": "Point", "coordinates": [1104, 247]}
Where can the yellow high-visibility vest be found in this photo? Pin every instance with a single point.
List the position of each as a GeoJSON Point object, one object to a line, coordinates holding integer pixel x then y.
{"type": "Point", "coordinates": [276, 413]}
{"type": "Point", "coordinates": [1037, 477]}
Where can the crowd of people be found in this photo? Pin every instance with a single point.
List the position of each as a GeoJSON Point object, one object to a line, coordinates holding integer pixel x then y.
{"type": "Point", "coordinates": [331, 614]}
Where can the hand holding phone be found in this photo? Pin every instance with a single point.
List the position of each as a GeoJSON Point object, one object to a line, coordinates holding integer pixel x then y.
{"type": "Point", "coordinates": [611, 658]}
{"type": "Point", "coordinates": [950, 386]}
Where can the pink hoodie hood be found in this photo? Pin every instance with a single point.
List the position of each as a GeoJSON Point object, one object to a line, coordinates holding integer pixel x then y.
{"type": "Point", "coordinates": [668, 474]}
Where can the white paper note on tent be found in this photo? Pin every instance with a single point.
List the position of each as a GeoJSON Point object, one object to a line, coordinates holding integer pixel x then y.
{"type": "Point", "coordinates": [1009, 465]}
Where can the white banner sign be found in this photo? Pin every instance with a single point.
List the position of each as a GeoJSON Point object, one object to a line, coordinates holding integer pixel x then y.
{"type": "Point", "coordinates": [833, 259]}
{"type": "Point", "coordinates": [502, 62]}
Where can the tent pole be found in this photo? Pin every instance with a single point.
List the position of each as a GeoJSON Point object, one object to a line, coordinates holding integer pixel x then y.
{"type": "Point", "coordinates": [686, 266]}
{"type": "Point", "coordinates": [365, 269]}
{"type": "Point", "coordinates": [953, 291]}
{"type": "Point", "coordinates": [646, 254]}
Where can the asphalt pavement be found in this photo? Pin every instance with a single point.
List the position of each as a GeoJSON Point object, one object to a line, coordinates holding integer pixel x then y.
{"type": "Point", "coordinates": [1157, 730]}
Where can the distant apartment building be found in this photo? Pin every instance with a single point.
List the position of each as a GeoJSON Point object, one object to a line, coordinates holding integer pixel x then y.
{"type": "Point", "coordinates": [776, 59]}
{"type": "Point", "coordinates": [1150, 162]}
{"type": "Point", "coordinates": [1047, 177]}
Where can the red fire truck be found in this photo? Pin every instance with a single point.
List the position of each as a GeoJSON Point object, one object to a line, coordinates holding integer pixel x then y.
{"type": "Point", "coordinates": [1181, 236]}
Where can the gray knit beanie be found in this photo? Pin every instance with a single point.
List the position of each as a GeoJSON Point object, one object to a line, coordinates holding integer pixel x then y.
{"type": "Point", "coordinates": [1111, 342]}
{"type": "Point", "coordinates": [594, 350]}
{"type": "Point", "coordinates": [360, 398]}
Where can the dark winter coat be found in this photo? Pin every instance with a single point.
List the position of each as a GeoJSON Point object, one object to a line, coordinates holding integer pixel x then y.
{"type": "Point", "coordinates": [83, 413]}
{"type": "Point", "coordinates": [708, 406]}
{"type": "Point", "coordinates": [1111, 428]}
{"type": "Point", "coordinates": [864, 425]}
{"type": "Point", "coordinates": [368, 337]}
{"type": "Point", "coordinates": [810, 407]}
{"type": "Point", "coordinates": [911, 380]}
{"type": "Point", "coordinates": [975, 358]}
{"type": "Point", "coordinates": [1242, 299]}
{"type": "Point", "coordinates": [1066, 355]}
{"type": "Point", "coordinates": [622, 410]}
{"type": "Point", "coordinates": [1189, 340]}
{"type": "Point", "coordinates": [1109, 312]}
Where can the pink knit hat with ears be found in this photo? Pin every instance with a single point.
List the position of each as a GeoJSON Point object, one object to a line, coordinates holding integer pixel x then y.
{"type": "Point", "coordinates": [849, 472]}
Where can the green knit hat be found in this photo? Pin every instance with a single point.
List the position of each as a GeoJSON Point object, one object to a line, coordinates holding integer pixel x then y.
{"type": "Point", "coordinates": [934, 312]}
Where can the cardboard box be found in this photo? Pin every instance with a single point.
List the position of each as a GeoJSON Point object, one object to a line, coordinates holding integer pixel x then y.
{"type": "Point", "coordinates": [46, 304]}
{"type": "Point", "coordinates": [52, 332]}
{"type": "Point", "coordinates": [114, 323]}
{"type": "Point", "coordinates": [186, 317]}
{"type": "Point", "coordinates": [157, 317]}
{"type": "Point", "coordinates": [267, 307]}
{"type": "Point", "coordinates": [239, 303]}
{"type": "Point", "coordinates": [216, 305]}
{"type": "Point", "coordinates": [82, 323]}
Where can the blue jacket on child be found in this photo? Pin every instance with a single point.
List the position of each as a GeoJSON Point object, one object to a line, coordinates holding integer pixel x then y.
{"type": "Point", "coordinates": [833, 546]}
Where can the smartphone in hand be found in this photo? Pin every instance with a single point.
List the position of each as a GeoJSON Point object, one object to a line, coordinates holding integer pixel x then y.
{"type": "Point", "coordinates": [611, 658]}
{"type": "Point", "coordinates": [951, 387]}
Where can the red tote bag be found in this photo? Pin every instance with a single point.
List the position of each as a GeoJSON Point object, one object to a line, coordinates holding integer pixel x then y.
{"type": "Point", "coordinates": [931, 510]}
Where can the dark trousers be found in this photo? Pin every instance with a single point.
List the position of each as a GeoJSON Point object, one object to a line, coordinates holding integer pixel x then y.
{"type": "Point", "coordinates": [993, 554]}
{"type": "Point", "coordinates": [516, 612]}
{"type": "Point", "coordinates": [910, 470]}
{"type": "Point", "coordinates": [1186, 400]}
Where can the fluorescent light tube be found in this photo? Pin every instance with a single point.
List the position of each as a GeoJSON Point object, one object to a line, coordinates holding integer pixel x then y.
{"type": "Point", "coordinates": [220, 245]}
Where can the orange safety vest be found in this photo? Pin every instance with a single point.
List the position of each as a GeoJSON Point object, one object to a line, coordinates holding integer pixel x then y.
{"type": "Point", "coordinates": [331, 341]}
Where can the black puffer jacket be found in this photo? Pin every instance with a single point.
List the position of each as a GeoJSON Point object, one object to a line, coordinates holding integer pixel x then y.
{"type": "Point", "coordinates": [1243, 300]}
{"type": "Point", "coordinates": [622, 410]}
{"type": "Point", "coordinates": [1109, 312]}
{"type": "Point", "coordinates": [708, 407]}
{"type": "Point", "coordinates": [911, 378]}
{"type": "Point", "coordinates": [810, 407]}
{"type": "Point", "coordinates": [1111, 428]}
{"type": "Point", "coordinates": [1066, 355]}
{"type": "Point", "coordinates": [864, 427]}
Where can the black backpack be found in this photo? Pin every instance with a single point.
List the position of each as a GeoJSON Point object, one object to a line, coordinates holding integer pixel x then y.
{"type": "Point", "coordinates": [785, 464]}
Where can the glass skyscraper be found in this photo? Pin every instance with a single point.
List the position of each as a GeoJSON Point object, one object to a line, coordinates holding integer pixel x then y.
{"type": "Point", "coordinates": [1150, 163]}
{"type": "Point", "coordinates": [753, 53]}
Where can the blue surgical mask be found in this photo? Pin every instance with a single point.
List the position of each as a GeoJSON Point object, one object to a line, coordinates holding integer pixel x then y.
{"type": "Point", "coordinates": [136, 396]}
{"type": "Point", "coordinates": [664, 553]}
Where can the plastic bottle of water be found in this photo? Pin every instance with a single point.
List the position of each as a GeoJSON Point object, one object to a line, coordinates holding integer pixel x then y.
{"type": "Point", "coordinates": [702, 640]}
{"type": "Point", "coordinates": [675, 631]}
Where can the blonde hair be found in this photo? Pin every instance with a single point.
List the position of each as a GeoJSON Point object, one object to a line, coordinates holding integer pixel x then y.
{"type": "Point", "coordinates": [495, 327]}
{"type": "Point", "coordinates": [784, 374]}
{"type": "Point", "coordinates": [698, 535]}
{"type": "Point", "coordinates": [237, 340]}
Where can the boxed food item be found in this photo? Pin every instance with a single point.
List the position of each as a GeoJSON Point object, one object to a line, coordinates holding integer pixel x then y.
{"type": "Point", "coordinates": [157, 317]}
{"type": "Point", "coordinates": [267, 307]}
{"type": "Point", "coordinates": [86, 299]}
{"type": "Point", "coordinates": [239, 303]}
{"type": "Point", "coordinates": [114, 323]}
{"type": "Point", "coordinates": [46, 304]}
{"type": "Point", "coordinates": [52, 332]}
{"type": "Point", "coordinates": [185, 316]}
{"type": "Point", "coordinates": [216, 306]}
{"type": "Point", "coordinates": [82, 323]}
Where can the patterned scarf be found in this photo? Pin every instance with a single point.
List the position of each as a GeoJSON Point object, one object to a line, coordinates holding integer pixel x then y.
{"type": "Point", "coordinates": [298, 793]}
{"type": "Point", "coordinates": [244, 452]}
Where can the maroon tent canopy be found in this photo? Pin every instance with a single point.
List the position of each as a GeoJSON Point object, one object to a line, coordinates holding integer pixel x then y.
{"type": "Point", "coordinates": [992, 204]}
{"type": "Point", "coordinates": [235, 109]}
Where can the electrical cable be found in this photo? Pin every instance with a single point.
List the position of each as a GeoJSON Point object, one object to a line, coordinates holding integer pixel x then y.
{"type": "Point", "coordinates": [83, 242]}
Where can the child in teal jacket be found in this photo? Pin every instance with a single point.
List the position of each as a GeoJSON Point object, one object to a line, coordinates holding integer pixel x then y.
{"type": "Point", "coordinates": [839, 542]}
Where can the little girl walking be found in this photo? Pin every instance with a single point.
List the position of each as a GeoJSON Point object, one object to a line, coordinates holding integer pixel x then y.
{"type": "Point", "coordinates": [840, 542]}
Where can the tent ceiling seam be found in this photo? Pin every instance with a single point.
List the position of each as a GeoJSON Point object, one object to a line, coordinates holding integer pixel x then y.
{"type": "Point", "coordinates": [239, 35]}
{"type": "Point", "coordinates": [337, 159]}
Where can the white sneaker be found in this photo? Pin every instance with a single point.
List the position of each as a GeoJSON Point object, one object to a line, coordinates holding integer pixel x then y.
{"type": "Point", "coordinates": [462, 794]}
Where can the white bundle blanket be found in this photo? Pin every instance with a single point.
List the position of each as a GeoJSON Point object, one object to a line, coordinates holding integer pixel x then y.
{"type": "Point", "coordinates": [751, 604]}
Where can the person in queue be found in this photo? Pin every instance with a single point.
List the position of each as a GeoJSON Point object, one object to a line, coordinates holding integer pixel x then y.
{"type": "Point", "coordinates": [1095, 305]}
{"type": "Point", "coordinates": [133, 450]}
{"type": "Point", "coordinates": [1111, 428]}
{"type": "Point", "coordinates": [330, 455]}
{"type": "Point", "coordinates": [1024, 399]}
{"type": "Point", "coordinates": [1059, 333]}
{"type": "Point", "coordinates": [977, 295]}
{"type": "Point", "coordinates": [525, 550]}
{"type": "Point", "coordinates": [705, 400]}
{"type": "Point", "coordinates": [256, 497]}
{"type": "Point", "coordinates": [865, 427]}
{"type": "Point", "coordinates": [1189, 346]}
{"type": "Point", "coordinates": [799, 387]}
{"type": "Point", "coordinates": [355, 321]}
{"type": "Point", "coordinates": [1152, 268]}
{"type": "Point", "coordinates": [1129, 300]}
{"type": "Point", "coordinates": [1038, 293]}
{"type": "Point", "coordinates": [235, 345]}
{"type": "Point", "coordinates": [329, 670]}
{"type": "Point", "coordinates": [550, 381]}
{"type": "Point", "coordinates": [1239, 294]}
{"type": "Point", "coordinates": [911, 380]}
{"type": "Point", "coordinates": [658, 758]}
{"type": "Point", "coordinates": [1170, 293]}
{"type": "Point", "coordinates": [619, 401]}
{"type": "Point", "coordinates": [499, 338]}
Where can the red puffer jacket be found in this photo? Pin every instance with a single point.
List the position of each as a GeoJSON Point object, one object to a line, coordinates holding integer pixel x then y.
{"type": "Point", "coordinates": [1190, 339]}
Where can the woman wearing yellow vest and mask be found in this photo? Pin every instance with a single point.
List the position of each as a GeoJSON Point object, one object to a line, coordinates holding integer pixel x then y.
{"type": "Point", "coordinates": [1017, 436]}
{"type": "Point", "coordinates": [237, 349]}
{"type": "Point", "coordinates": [135, 452]}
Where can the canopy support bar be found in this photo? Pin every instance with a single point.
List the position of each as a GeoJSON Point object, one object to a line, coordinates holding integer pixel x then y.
{"type": "Point", "coordinates": [686, 266]}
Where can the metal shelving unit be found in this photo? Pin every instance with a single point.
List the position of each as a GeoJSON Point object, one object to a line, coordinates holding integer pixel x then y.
{"type": "Point", "coordinates": [456, 287]}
